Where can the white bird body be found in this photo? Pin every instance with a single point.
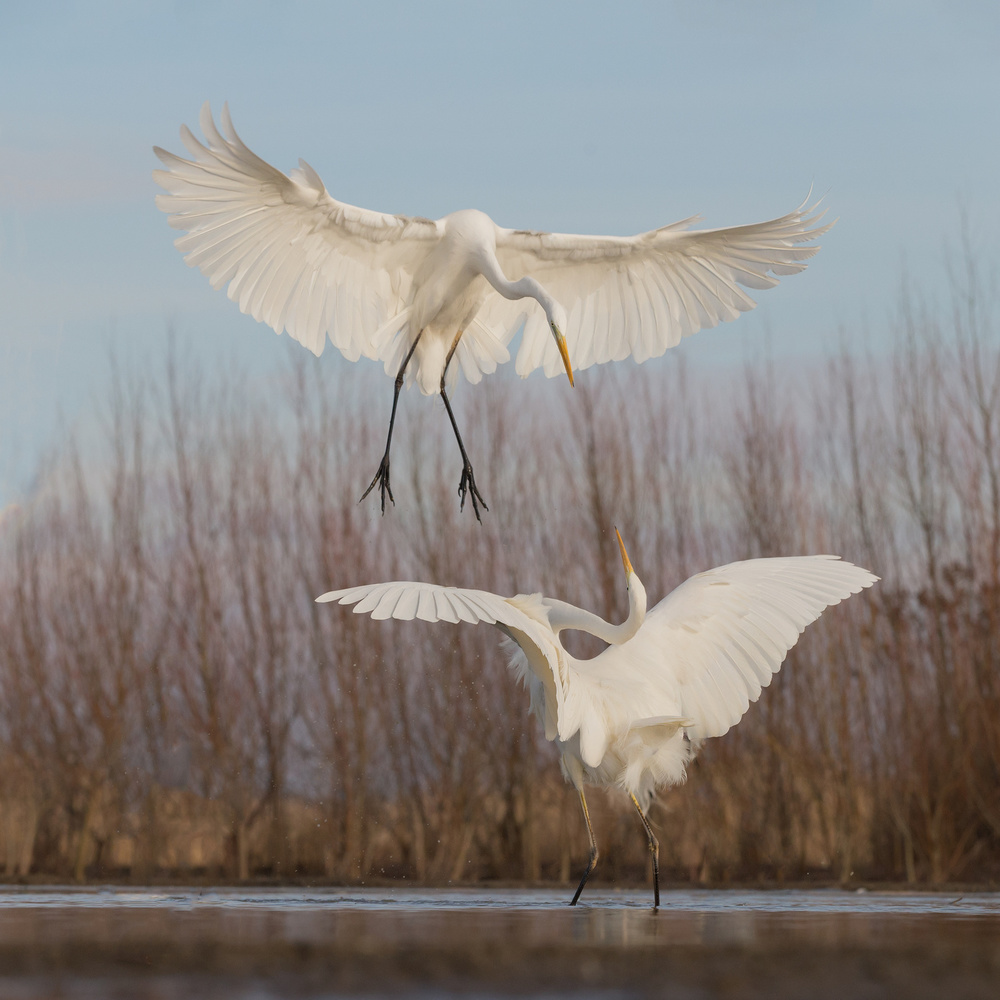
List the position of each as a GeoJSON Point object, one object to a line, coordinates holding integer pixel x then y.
{"type": "Point", "coordinates": [693, 664]}
{"type": "Point", "coordinates": [448, 291]}
{"type": "Point", "coordinates": [418, 294]}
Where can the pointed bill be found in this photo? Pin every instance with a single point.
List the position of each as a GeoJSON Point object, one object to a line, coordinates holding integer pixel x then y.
{"type": "Point", "coordinates": [625, 560]}
{"type": "Point", "coordinates": [564, 351]}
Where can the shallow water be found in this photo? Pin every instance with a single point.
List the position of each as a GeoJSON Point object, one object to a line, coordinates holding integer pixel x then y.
{"type": "Point", "coordinates": [266, 943]}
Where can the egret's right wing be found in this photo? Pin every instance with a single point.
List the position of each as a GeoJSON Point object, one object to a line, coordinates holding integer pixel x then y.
{"type": "Point", "coordinates": [520, 618]}
{"type": "Point", "coordinates": [293, 256]}
{"type": "Point", "coordinates": [722, 635]}
{"type": "Point", "coordinates": [406, 600]}
{"type": "Point", "coordinates": [637, 296]}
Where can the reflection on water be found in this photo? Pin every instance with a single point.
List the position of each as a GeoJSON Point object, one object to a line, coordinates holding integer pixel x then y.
{"type": "Point", "coordinates": [327, 942]}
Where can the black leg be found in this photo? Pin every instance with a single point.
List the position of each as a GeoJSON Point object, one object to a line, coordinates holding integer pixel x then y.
{"type": "Point", "coordinates": [467, 484]}
{"type": "Point", "coordinates": [468, 480]}
{"type": "Point", "coordinates": [382, 476]}
{"type": "Point", "coordinates": [594, 854]}
{"type": "Point", "coordinates": [654, 851]}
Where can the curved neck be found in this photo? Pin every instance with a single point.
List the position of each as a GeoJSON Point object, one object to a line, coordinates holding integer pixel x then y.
{"type": "Point", "coordinates": [568, 616]}
{"type": "Point", "coordinates": [523, 288]}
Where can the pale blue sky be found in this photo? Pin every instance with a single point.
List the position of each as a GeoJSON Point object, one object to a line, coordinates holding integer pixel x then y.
{"type": "Point", "coordinates": [593, 117]}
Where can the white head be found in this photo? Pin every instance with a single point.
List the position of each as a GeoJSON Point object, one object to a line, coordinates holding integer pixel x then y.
{"type": "Point", "coordinates": [489, 267]}
{"type": "Point", "coordinates": [636, 593]}
{"type": "Point", "coordinates": [568, 616]}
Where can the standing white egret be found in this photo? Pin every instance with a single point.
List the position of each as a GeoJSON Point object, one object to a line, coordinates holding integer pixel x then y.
{"type": "Point", "coordinates": [694, 663]}
{"type": "Point", "coordinates": [417, 293]}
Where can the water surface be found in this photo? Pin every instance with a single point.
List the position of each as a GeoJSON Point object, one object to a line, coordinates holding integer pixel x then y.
{"type": "Point", "coordinates": [265, 943]}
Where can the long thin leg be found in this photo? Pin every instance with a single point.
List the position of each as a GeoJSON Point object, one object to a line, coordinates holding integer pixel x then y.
{"type": "Point", "coordinates": [382, 476]}
{"type": "Point", "coordinates": [468, 481]}
{"type": "Point", "coordinates": [594, 853]}
{"type": "Point", "coordinates": [654, 850]}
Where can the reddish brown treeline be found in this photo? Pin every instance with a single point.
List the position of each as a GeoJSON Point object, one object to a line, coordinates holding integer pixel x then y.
{"type": "Point", "coordinates": [174, 703]}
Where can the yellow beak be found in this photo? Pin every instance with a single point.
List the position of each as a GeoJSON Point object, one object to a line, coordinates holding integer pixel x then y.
{"type": "Point", "coordinates": [564, 351]}
{"type": "Point", "coordinates": [625, 559]}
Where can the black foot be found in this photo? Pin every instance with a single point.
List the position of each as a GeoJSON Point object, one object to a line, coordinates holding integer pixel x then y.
{"type": "Point", "coordinates": [591, 865]}
{"type": "Point", "coordinates": [382, 479]}
{"type": "Point", "coordinates": [467, 484]}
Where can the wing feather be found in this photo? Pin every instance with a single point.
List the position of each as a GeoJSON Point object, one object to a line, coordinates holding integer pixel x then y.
{"type": "Point", "coordinates": [386, 606]}
{"type": "Point", "coordinates": [743, 660]}
{"type": "Point", "coordinates": [426, 606]}
{"type": "Point", "coordinates": [631, 323]}
{"type": "Point", "coordinates": [406, 606]}
{"type": "Point", "coordinates": [719, 638]}
{"type": "Point", "coordinates": [587, 325]}
{"type": "Point", "coordinates": [445, 612]}
{"type": "Point", "coordinates": [696, 275]}
{"type": "Point", "coordinates": [292, 256]}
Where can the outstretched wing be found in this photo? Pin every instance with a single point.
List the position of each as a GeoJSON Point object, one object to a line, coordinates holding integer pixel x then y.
{"type": "Point", "coordinates": [722, 635]}
{"type": "Point", "coordinates": [521, 618]}
{"type": "Point", "coordinates": [405, 600]}
{"type": "Point", "coordinates": [294, 257]}
{"type": "Point", "coordinates": [638, 295]}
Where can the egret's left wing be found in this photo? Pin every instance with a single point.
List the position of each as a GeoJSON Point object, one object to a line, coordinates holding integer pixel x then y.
{"type": "Point", "coordinates": [721, 635]}
{"type": "Point", "coordinates": [636, 296]}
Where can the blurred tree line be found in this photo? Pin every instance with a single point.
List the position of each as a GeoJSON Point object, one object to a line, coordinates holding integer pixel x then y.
{"type": "Point", "coordinates": [175, 705]}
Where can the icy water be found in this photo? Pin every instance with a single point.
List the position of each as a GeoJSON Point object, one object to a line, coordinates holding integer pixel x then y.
{"type": "Point", "coordinates": [262, 944]}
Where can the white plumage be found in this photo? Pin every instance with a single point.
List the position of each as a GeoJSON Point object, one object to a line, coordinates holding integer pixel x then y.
{"type": "Point", "coordinates": [415, 293]}
{"type": "Point", "coordinates": [695, 662]}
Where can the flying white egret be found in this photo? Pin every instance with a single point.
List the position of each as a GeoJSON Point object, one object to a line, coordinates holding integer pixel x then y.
{"type": "Point", "coordinates": [417, 294]}
{"type": "Point", "coordinates": [693, 664]}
